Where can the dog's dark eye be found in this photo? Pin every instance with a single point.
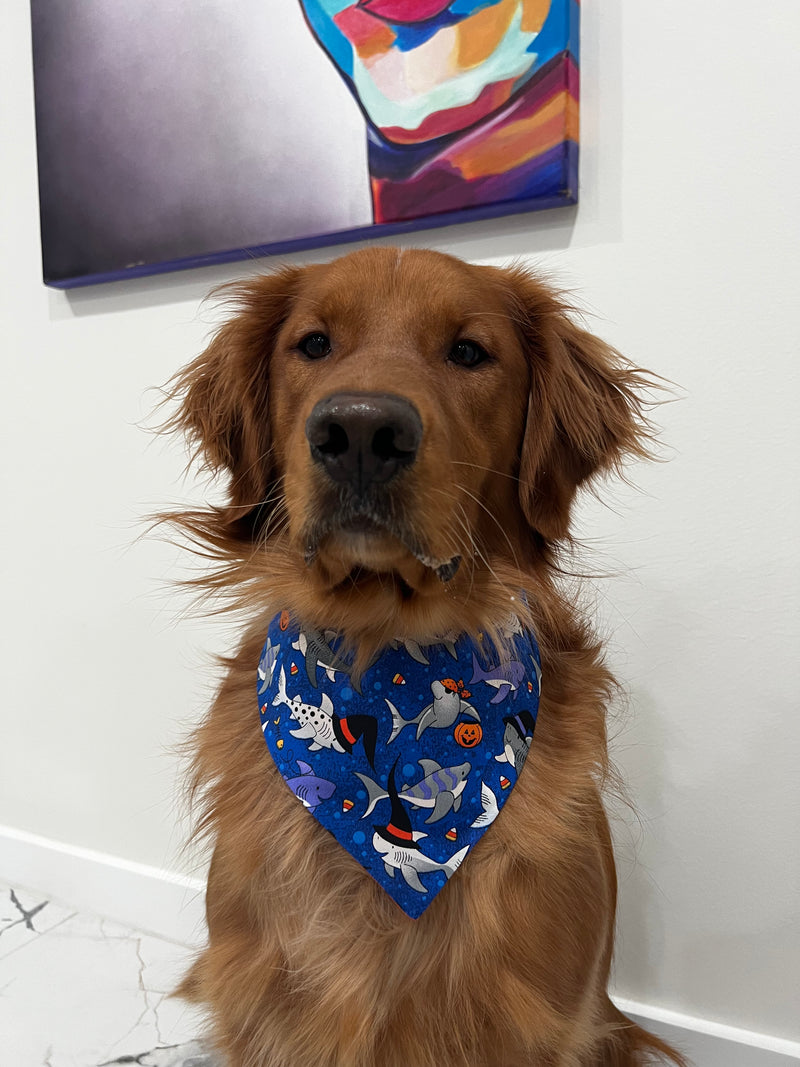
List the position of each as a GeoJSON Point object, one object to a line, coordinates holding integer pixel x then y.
{"type": "Point", "coordinates": [468, 354]}
{"type": "Point", "coordinates": [315, 346]}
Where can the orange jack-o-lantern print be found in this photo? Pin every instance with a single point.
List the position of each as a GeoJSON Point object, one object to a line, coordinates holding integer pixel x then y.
{"type": "Point", "coordinates": [468, 734]}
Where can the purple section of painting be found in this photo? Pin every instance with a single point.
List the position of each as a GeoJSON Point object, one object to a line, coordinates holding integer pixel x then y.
{"type": "Point", "coordinates": [439, 186]}
{"type": "Point", "coordinates": [566, 196]}
{"type": "Point", "coordinates": [432, 190]}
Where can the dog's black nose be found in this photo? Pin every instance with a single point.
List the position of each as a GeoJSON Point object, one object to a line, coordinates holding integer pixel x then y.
{"type": "Point", "coordinates": [364, 438]}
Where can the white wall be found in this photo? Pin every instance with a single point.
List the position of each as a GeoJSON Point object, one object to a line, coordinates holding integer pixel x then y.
{"type": "Point", "coordinates": [685, 244]}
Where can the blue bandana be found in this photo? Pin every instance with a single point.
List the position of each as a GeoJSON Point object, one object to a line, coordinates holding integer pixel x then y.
{"type": "Point", "coordinates": [408, 765]}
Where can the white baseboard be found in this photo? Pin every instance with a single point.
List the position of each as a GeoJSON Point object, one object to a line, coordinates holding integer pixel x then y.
{"type": "Point", "coordinates": [710, 1044]}
{"type": "Point", "coordinates": [171, 906]}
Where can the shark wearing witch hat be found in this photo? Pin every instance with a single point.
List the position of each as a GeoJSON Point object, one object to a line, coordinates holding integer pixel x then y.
{"type": "Point", "coordinates": [398, 844]}
{"type": "Point", "coordinates": [324, 728]}
{"type": "Point", "coordinates": [517, 739]}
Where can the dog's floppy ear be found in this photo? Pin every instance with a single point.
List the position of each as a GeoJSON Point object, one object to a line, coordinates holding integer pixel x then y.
{"type": "Point", "coordinates": [223, 395]}
{"type": "Point", "coordinates": [586, 410]}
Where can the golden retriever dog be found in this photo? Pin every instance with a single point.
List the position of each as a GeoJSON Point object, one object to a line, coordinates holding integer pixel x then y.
{"type": "Point", "coordinates": [402, 436]}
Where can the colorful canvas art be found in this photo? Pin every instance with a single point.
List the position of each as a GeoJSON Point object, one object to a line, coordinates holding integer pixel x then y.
{"type": "Point", "coordinates": [172, 134]}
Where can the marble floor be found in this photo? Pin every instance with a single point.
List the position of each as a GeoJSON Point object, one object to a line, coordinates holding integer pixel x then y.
{"type": "Point", "coordinates": [80, 991]}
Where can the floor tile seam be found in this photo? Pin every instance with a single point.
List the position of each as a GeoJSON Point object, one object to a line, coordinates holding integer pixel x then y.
{"type": "Point", "coordinates": [39, 934]}
{"type": "Point", "coordinates": [58, 902]}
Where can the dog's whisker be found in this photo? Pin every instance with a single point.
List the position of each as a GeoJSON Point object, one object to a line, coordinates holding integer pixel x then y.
{"type": "Point", "coordinates": [477, 551]}
{"type": "Point", "coordinates": [494, 519]}
{"type": "Point", "coordinates": [487, 470]}
{"type": "Point", "coordinates": [277, 528]}
{"type": "Point", "coordinates": [242, 475]}
{"type": "Point", "coordinates": [484, 558]}
{"type": "Point", "coordinates": [462, 521]}
{"type": "Point", "coordinates": [471, 536]}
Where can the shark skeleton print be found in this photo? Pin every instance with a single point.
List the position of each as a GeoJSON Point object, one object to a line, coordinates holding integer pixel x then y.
{"type": "Point", "coordinates": [411, 763]}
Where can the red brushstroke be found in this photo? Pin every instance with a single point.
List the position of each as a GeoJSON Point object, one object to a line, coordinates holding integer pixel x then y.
{"type": "Point", "coordinates": [405, 11]}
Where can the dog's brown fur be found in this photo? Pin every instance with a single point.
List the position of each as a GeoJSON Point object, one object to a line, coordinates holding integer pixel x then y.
{"type": "Point", "coordinates": [309, 961]}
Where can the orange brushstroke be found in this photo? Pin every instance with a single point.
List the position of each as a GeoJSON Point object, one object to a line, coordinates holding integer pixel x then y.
{"type": "Point", "coordinates": [534, 12]}
{"type": "Point", "coordinates": [481, 33]}
{"type": "Point", "coordinates": [514, 144]}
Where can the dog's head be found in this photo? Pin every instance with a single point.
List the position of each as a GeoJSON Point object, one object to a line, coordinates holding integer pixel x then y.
{"type": "Point", "coordinates": [404, 421]}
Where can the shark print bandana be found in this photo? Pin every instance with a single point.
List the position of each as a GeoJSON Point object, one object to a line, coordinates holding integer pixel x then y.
{"type": "Point", "coordinates": [410, 764]}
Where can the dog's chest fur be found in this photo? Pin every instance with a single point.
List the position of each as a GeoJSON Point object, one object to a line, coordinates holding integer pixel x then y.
{"type": "Point", "coordinates": [332, 962]}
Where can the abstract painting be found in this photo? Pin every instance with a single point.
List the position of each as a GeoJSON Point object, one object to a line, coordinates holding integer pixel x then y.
{"type": "Point", "coordinates": [172, 133]}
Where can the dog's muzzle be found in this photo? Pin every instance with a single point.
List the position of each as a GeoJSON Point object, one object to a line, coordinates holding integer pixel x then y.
{"type": "Point", "coordinates": [364, 439]}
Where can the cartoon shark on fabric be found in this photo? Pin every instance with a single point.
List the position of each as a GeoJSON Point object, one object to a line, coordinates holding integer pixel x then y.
{"type": "Point", "coordinates": [410, 861]}
{"type": "Point", "coordinates": [538, 672]}
{"type": "Point", "coordinates": [490, 809]}
{"type": "Point", "coordinates": [506, 677]}
{"type": "Point", "coordinates": [308, 788]}
{"type": "Point", "coordinates": [266, 666]}
{"type": "Point", "coordinates": [517, 739]}
{"type": "Point", "coordinates": [311, 644]}
{"type": "Point", "coordinates": [512, 627]}
{"type": "Point", "coordinates": [417, 653]}
{"type": "Point", "coordinates": [398, 844]}
{"type": "Point", "coordinates": [448, 703]}
{"type": "Point", "coordinates": [323, 727]}
{"type": "Point", "coordinates": [440, 788]}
